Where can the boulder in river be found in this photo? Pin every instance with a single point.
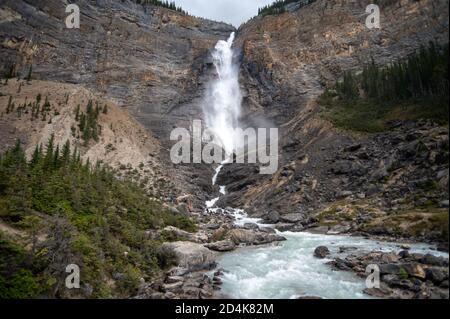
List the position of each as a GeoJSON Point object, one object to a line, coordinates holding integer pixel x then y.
{"type": "Point", "coordinates": [414, 270]}
{"type": "Point", "coordinates": [190, 255]}
{"type": "Point", "coordinates": [250, 237]}
{"type": "Point", "coordinates": [321, 252]}
{"type": "Point", "coordinates": [224, 245]}
{"type": "Point", "coordinates": [437, 275]}
{"type": "Point", "coordinates": [293, 218]}
{"type": "Point", "coordinates": [272, 217]}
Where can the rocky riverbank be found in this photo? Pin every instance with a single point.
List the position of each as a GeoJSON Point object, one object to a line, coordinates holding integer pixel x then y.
{"type": "Point", "coordinates": [196, 274]}
{"type": "Point", "coordinates": [403, 276]}
{"type": "Point", "coordinates": [194, 254]}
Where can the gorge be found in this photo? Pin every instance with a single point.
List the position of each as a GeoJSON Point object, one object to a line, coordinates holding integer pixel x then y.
{"type": "Point", "coordinates": [367, 186]}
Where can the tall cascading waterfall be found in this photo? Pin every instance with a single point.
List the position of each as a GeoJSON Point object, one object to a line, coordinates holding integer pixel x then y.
{"type": "Point", "coordinates": [222, 107]}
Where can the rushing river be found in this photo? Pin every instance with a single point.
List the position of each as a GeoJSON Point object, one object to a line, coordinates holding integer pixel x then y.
{"type": "Point", "coordinates": [290, 270]}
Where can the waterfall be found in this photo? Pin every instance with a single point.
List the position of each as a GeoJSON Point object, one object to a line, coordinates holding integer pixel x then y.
{"type": "Point", "coordinates": [222, 107]}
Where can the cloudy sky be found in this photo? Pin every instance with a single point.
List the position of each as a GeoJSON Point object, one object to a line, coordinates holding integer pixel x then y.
{"type": "Point", "coordinates": [230, 11]}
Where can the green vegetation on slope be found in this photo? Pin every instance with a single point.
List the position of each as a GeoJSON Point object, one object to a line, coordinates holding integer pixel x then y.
{"type": "Point", "coordinates": [279, 6]}
{"type": "Point", "coordinates": [165, 4]}
{"type": "Point", "coordinates": [88, 123]}
{"type": "Point", "coordinates": [73, 213]}
{"type": "Point", "coordinates": [409, 89]}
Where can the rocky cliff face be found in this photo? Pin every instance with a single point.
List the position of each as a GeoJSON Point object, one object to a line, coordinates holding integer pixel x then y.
{"type": "Point", "coordinates": [155, 63]}
{"type": "Point", "coordinates": [150, 60]}
{"type": "Point", "coordinates": [287, 61]}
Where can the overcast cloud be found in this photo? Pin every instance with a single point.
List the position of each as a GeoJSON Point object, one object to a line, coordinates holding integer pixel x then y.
{"type": "Point", "coordinates": [234, 12]}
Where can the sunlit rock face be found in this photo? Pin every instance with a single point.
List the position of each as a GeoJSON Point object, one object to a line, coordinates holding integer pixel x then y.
{"type": "Point", "coordinates": [157, 64]}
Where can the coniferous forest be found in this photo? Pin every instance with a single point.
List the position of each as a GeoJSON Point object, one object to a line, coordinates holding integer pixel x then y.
{"type": "Point", "coordinates": [70, 210]}
{"type": "Point", "coordinates": [166, 4]}
{"type": "Point", "coordinates": [279, 6]}
{"type": "Point", "coordinates": [417, 86]}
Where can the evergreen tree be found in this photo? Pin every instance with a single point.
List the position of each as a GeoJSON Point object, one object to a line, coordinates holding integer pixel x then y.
{"type": "Point", "coordinates": [49, 155]}
{"type": "Point", "coordinates": [65, 157]}
{"type": "Point", "coordinates": [56, 158]}
{"type": "Point", "coordinates": [36, 158]}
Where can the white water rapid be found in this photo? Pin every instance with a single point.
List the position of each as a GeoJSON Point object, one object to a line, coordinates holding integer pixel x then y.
{"type": "Point", "coordinates": [288, 269]}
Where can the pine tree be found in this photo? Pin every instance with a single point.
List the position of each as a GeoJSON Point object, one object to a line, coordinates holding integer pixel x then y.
{"type": "Point", "coordinates": [65, 157]}
{"type": "Point", "coordinates": [35, 159]}
{"type": "Point", "coordinates": [49, 155]}
{"type": "Point", "coordinates": [56, 158]}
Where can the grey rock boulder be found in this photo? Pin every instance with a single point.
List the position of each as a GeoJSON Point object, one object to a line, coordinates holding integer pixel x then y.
{"type": "Point", "coordinates": [321, 252]}
{"type": "Point", "coordinates": [293, 218]}
{"type": "Point", "coordinates": [190, 255]}
{"type": "Point", "coordinates": [224, 245]}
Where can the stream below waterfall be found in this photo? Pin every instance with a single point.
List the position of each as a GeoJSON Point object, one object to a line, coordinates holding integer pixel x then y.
{"type": "Point", "coordinates": [289, 270]}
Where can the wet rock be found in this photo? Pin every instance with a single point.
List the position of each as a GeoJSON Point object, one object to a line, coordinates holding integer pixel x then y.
{"type": "Point", "coordinates": [414, 270]}
{"type": "Point", "coordinates": [390, 258]}
{"type": "Point", "coordinates": [250, 237]}
{"type": "Point", "coordinates": [319, 230]}
{"type": "Point", "coordinates": [268, 230]}
{"type": "Point", "coordinates": [284, 227]}
{"type": "Point", "coordinates": [174, 279]}
{"type": "Point", "coordinates": [443, 247]}
{"type": "Point", "coordinates": [272, 217]}
{"type": "Point", "coordinates": [321, 252]}
{"type": "Point", "coordinates": [344, 249]}
{"type": "Point", "coordinates": [436, 275]}
{"type": "Point", "coordinates": [251, 226]}
{"type": "Point", "coordinates": [434, 261]}
{"type": "Point", "coordinates": [339, 229]}
{"type": "Point", "coordinates": [392, 269]}
{"type": "Point", "coordinates": [341, 264]}
{"type": "Point", "coordinates": [382, 292]}
{"type": "Point", "coordinates": [293, 218]}
{"type": "Point", "coordinates": [404, 254]}
{"type": "Point", "coordinates": [224, 245]}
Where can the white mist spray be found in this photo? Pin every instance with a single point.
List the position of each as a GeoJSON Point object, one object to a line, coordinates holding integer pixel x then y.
{"type": "Point", "coordinates": [223, 105]}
